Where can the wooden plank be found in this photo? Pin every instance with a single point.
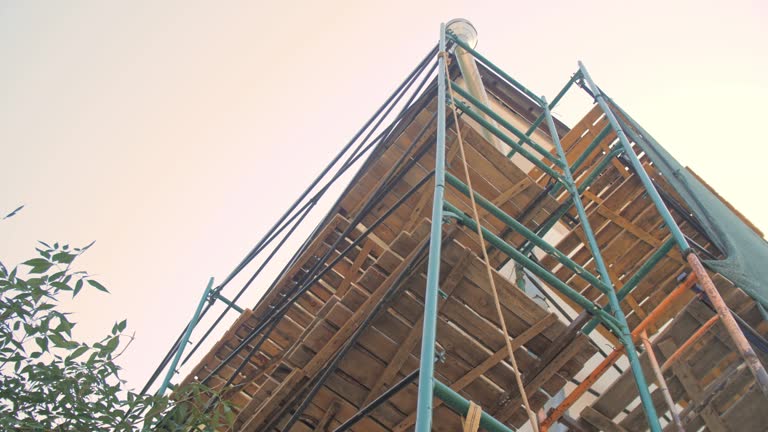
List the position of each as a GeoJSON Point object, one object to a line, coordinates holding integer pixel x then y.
{"type": "Point", "coordinates": [532, 383]}
{"type": "Point", "coordinates": [352, 274]}
{"type": "Point", "coordinates": [270, 297]}
{"type": "Point", "coordinates": [414, 335]}
{"type": "Point", "coordinates": [210, 356]}
{"type": "Point", "coordinates": [600, 421]}
{"type": "Point", "coordinates": [322, 424]}
{"type": "Point", "coordinates": [268, 410]}
{"type": "Point", "coordinates": [486, 365]}
{"type": "Point", "coordinates": [694, 390]}
{"type": "Point", "coordinates": [625, 223]}
{"type": "Point", "coordinates": [253, 415]}
{"type": "Point", "coordinates": [345, 332]}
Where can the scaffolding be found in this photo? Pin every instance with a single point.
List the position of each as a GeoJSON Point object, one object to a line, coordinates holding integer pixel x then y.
{"type": "Point", "coordinates": [329, 345]}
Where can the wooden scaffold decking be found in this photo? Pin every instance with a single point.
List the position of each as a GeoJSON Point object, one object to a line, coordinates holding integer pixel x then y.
{"type": "Point", "coordinates": [337, 336]}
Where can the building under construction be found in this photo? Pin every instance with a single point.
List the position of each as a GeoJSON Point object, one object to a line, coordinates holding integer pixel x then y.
{"type": "Point", "coordinates": [489, 267]}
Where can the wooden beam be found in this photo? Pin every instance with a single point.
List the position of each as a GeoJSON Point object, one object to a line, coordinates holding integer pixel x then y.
{"type": "Point", "coordinates": [269, 406]}
{"type": "Point", "coordinates": [543, 373]}
{"type": "Point", "coordinates": [322, 424]}
{"type": "Point", "coordinates": [600, 421]}
{"type": "Point", "coordinates": [692, 387]}
{"type": "Point", "coordinates": [352, 273]}
{"type": "Point", "coordinates": [426, 195]}
{"type": "Point", "coordinates": [486, 365]}
{"type": "Point", "coordinates": [320, 360]}
{"type": "Point", "coordinates": [414, 334]}
{"type": "Point", "coordinates": [574, 425]}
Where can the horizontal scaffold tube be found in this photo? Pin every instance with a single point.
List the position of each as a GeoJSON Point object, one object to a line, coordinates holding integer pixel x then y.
{"type": "Point", "coordinates": [536, 269]}
{"type": "Point", "coordinates": [552, 104]}
{"type": "Point", "coordinates": [459, 405]}
{"type": "Point", "coordinates": [509, 141]}
{"type": "Point", "coordinates": [499, 119]}
{"type": "Point", "coordinates": [528, 234]}
{"type": "Point", "coordinates": [496, 69]}
{"type": "Point", "coordinates": [669, 221]}
{"type": "Point", "coordinates": [587, 382]}
{"type": "Point", "coordinates": [633, 281]}
{"type": "Point", "coordinates": [563, 209]}
{"type": "Point", "coordinates": [600, 166]}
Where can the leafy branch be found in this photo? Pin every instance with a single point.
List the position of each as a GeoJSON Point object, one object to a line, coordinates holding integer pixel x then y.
{"type": "Point", "coordinates": [51, 382]}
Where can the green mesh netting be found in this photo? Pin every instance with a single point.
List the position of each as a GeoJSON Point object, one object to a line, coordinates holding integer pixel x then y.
{"type": "Point", "coordinates": [746, 254]}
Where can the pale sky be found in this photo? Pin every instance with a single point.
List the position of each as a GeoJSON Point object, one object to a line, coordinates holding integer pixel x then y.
{"type": "Point", "coordinates": [174, 133]}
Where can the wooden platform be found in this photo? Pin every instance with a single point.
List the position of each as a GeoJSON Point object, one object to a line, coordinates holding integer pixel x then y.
{"type": "Point", "coordinates": [710, 383]}
{"type": "Point", "coordinates": [378, 287]}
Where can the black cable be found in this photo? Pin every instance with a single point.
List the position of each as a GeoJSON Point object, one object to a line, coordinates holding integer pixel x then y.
{"type": "Point", "coordinates": [417, 259]}
{"type": "Point", "coordinates": [382, 190]}
{"type": "Point", "coordinates": [356, 155]}
{"type": "Point", "coordinates": [378, 401]}
{"type": "Point", "coordinates": [338, 156]}
{"type": "Point", "coordinates": [306, 210]}
{"type": "Point", "coordinates": [272, 319]}
{"type": "Point", "coordinates": [306, 286]}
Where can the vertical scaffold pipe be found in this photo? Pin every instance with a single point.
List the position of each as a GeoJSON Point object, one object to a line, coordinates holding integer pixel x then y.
{"type": "Point", "coordinates": [736, 335]}
{"type": "Point", "coordinates": [429, 327]}
{"type": "Point", "coordinates": [185, 339]}
{"type": "Point", "coordinates": [661, 381]}
{"type": "Point", "coordinates": [636, 164]}
{"type": "Point", "coordinates": [624, 337]}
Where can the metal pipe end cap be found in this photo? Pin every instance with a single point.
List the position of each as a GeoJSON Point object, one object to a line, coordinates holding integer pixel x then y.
{"type": "Point", "coordinates": [464, 30]}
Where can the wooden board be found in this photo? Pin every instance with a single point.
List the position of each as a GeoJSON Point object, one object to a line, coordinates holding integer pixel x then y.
{"type": "Point", "coordinates": [360, 319]}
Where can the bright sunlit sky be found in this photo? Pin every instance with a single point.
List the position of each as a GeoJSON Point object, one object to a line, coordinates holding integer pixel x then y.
{"type": "Point", "coordinates": [174, 133]}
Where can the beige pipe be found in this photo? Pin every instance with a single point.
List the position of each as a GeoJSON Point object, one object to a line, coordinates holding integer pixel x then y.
{"type": "Point", "coordinates": [464, 30]}
{"type": "Point", "coordinates": [662, 382]}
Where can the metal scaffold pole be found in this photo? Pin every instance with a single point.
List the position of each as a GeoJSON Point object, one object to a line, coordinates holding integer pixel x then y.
{"type": "Point", "coordinates": [429, 328]}
{"type": "Point", "coordinates": [624, 335]}
{"type": "Point", "coordinates": [736, 335]}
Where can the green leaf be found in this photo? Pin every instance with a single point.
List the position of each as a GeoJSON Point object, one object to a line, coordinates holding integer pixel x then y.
{"type": "Point", "coordinates": [82, 349]}
{"type": "Point", "coordinates": [58, 340]}
{"type": "Point", "coordinates": [83, 249]}
{"type": "Point", "coordinates": [13, 213]}
{"type": "Point", "coordinates": [78, 287]}
{"type": "Point", "coordinates": [56, 276]}
{"type": "Point", "coordinates": [97, 285]}
{"type": "Point", "coordinates": [34, 262]}
{"type": "Point", "coordinates": [39, 265]}
{"type": "Point", "coordinates": [64, 257]}
{"type": "Point", "coordinates": [42, 343]}
{"type": "Point", "coordinates": [61, 286]}
{"type": "Point", "coordinates": [112, 345]}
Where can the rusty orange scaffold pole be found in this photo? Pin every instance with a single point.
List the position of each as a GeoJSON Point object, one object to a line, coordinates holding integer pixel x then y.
{"type": "Point", "coordinates": [738, 338]}
{"type": "Point", "coordinates": [688, 343]}
{"type": "Point", "coordinates": [582, 388]}
{"type": "Point", "coordinates": [662, 382]}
